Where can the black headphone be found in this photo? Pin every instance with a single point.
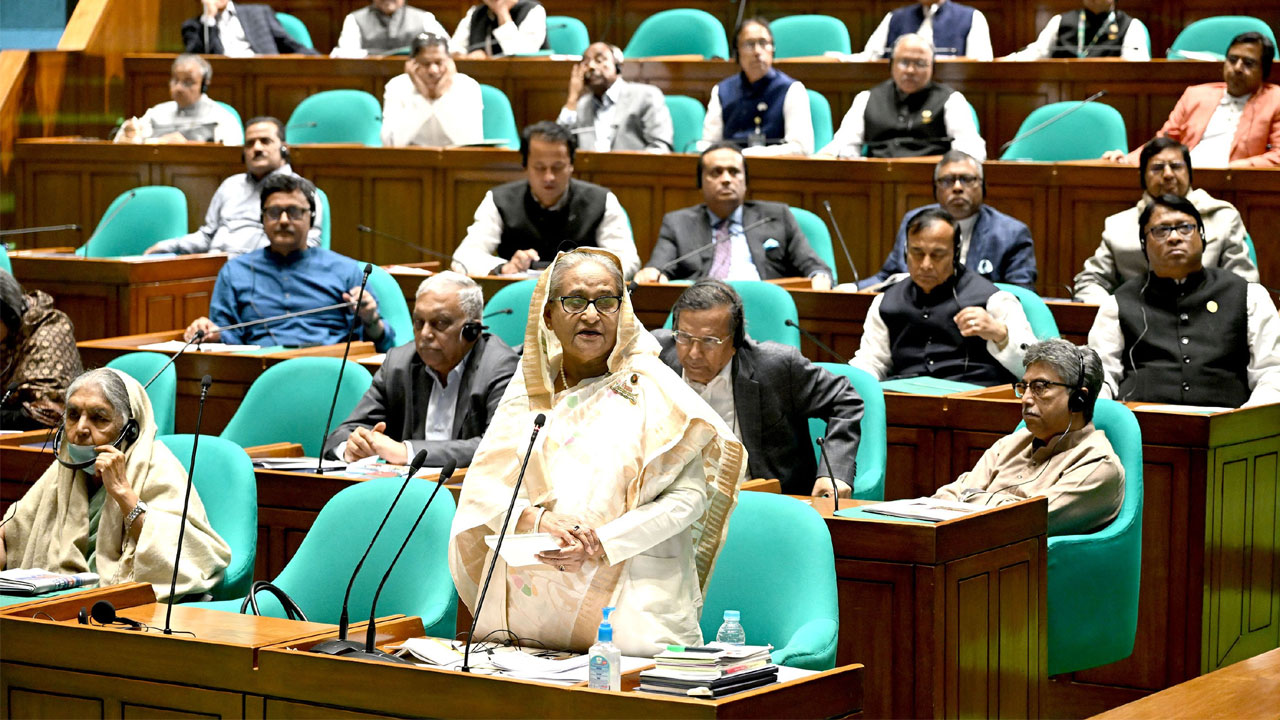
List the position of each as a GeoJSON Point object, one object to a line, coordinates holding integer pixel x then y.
{"type": "Point", "coordinates": [955, 258]}
{"type": "Point", "coordinates": [128, 434]}
{"type": "Point", "coordinates": [104, 613]}
{"type": "Point", "coordinates": [1076, 401]}
{"type": "Point", "coordinates": [471, 330]}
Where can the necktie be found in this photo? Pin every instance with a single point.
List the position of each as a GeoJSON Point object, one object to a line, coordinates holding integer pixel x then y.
{"type": "Point", "coordinates": [723, 252]}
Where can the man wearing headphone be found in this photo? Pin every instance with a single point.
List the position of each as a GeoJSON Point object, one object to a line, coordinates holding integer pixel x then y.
{"type": "Point", "coordinates": [944, 321]}
{"type": "Point", "coordinates": [438, 393]}
{"type": "Point", "coordinates": [1183, 333]}
{"type": "Point", "coordinates": [614, 114]}
{"type": "Point", "coordinates": [1059, 454]}
{"type": "Point", "coordinates": [189, 116]}
{"type": "Point", "coordinates": [765, 391]}
{"type": "Point", "coordinates": [233, 223]}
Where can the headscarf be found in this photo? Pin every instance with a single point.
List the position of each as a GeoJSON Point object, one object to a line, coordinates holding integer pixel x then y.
{"type": "Point", "coordinates": [38, 357]}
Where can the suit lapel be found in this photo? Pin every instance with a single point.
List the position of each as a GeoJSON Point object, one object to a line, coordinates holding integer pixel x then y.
{"type": "Point", "coordinates": [701, 235]}
{"type": "Point", "coordinates": [469, 372]}
{"type": "Point", "coordinates": [420, 384]}
{"type": "Point", "coordinates": [746, 398]}
{"type": "Point", "coordinates": [756, 237]}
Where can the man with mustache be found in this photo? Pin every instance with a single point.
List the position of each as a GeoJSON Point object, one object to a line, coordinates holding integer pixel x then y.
{"type": "Point", "coordinates": [614, 114]}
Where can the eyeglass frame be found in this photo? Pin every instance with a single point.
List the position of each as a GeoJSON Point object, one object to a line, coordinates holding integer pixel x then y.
{"type": "Point", "coordinates": [1153, 231]}
{"type": "Point", "coordinates": [946, 181]}
{"type": "Point", "coordinates": [707, 341]}
{"type": "Point", "coordinates": [1043, 384]}
{"type": "Point", "coordinates": [274, 212]}
{"type": "Point", "coordinates": [591, 302]}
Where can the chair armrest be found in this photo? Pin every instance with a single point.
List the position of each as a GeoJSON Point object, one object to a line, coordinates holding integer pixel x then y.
{"type": "Point", "coordinates": [811, 647]}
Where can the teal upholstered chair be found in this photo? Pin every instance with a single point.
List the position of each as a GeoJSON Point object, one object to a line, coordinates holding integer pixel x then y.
{"type": "Point", "coordinates": [680, 31]}
{"type": "Point", "coordinates": [868, 482]}
{"type": "Point", "coordinates": [806, 35]}
{"type": "Point", "coordinates": [228, 488]}
{"type": "Point", "coordinates": [234, 112]}
{"type": "Point", "coordinates": [789, 601]}
{"type": "Point", "coordinates": [1253, 253]}
{"type": "Point", "coordinates": [1211, 35]}
{"type": "Point", "coordinates": [567, 35]}
{"type": "Point", "coordinates": [290, 402]}
{"type": "Point", "coordinates": [337, 116]}
{"type": "Point", "coordinates": [687, 115]}
{"type": "Point", "coordinates": [499, 119]}
{"type": "Point", "coordinates": [1038, 314]}
{"type": "Point", "coordinates": [510, 327]}
{"type": "Point", "coordinates": [317, 575]}
{"type": "Point", "coordinates": [163, 393]}
{"type": "Point", "coordinates": [136, 220]}
{"type": "Point", "coordinates": [296, 29]}
{"type": "Point", "coordinates": [765, 310]}
{"type": "Point", "coordinates": [1094, 578]}
{"type": "Point", "coordinates": [5, 264]}
{"type": "Point", "coordinates": [815, 230]}
{"type": "Point", "coordinates": [391, 304]}
{"type": "Point", "coordinates": [820, 115]}
{"type": "Point", "coordinates": [326, 219]}
{"type": "Point", "coordinates": [1083, 135]}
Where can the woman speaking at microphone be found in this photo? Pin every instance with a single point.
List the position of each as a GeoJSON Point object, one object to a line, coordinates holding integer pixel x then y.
{"type": "Point", "coordinates": [633, 474]}
{"type": "Point", "coordinates": [112, 501]}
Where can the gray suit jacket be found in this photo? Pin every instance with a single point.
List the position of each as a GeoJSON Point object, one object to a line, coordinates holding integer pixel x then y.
{"type": "Point", "coordinates": [261, 28]}
{"type": "Point", "coordinates": [775, 392]}
{"type": "Point", "coordinates": [644, 123]}
{"type": "Point", "coordinates": [401, 390]}
{"type": "Point", "coordinates": [685, 230]}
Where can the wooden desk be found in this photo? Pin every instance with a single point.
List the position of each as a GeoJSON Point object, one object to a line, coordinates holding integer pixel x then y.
{"type": "Point", "coordinates": [106, 297]}
{"type": "Point", "coordinates": [1247, 690]}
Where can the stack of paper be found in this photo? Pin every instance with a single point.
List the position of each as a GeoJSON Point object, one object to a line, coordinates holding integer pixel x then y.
{"type": "Point", "coordinates": [712, 671]}
{"type": "Point", "coordinates": [20, 581]}
{"type": "Point", "coordinates": [927, 509]}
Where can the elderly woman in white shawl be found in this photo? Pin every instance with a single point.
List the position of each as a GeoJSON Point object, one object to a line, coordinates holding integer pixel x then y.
{"type": "Point", "coordinates": [112, 501]}
{"type": "Point", "coordinates": [633, 474]}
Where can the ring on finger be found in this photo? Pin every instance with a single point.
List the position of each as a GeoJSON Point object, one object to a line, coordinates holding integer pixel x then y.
{"type": "Point", "coordinates": [561, 568]}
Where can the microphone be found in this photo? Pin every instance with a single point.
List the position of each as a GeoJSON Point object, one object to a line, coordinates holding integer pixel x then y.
{"type": "Point", "coordinates": [368, 268]}
{"type": "Point", "coordinates": [205, 382]}
{"type": "Point", "coordinates": [302, 126]}
{"type": "Point", "coordinates": [194, 339]}
{"type": "Point", "coordinates": [1071, 292]}
{"type": "Point", "coordinates": [792, 323]}
{"type": "Point", "coordinates": [406, 243]}
{"type": "Point", "coordinates": [1050, 121]}
{"type": "Point", "coordinates": [84, 249]}
{"type": "Point", "coordinates": [342, 645]}
{"type": "Point", "coordinates": [503, 311]}
{"type": "Point", "coordinates": [822, 453]}
{"type": "Point", "coordinates": [843, 246]}
{"type": "Point", "coordinates": [44, 228]}
{"type": "Point", "coordinates": [538, 422]}
{"type": "Point", "coordinates": [285, 316]}
{"type": "Point", "coordinates": [370, 652]}
{"type": "Point", "coordinates": [8, 390]}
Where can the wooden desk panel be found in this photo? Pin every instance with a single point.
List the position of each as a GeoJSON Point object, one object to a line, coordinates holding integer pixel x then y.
{"type": "Point", "coordinates": [1247, 690]}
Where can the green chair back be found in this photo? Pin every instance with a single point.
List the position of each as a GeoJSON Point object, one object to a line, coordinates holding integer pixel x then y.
{"type": "Point", "coordinates": [136, 220]}
{"type": "Point", "coordinates": [317, 575]}
{"type": "Point", "coordinates": [296, 29]}
{"type": "Point", "coordinates": [687, 115]}
{"type": "Point", "coordinates": [1037, 312]}
{"type": "Point", "coordinates": [326, 219]}
{"type": "Point", "coordinates": [778, 569]}
{"type": "Point", "coordinates": [225, 482]}
{"type": "Point", "coordinates": [815, 229]}
{"type": "Point", "coordinates": [5, 263]}
{"type": "Point", "coordinates": [873, 449]}
{"type": "Point", "coordinates": [820, 114]}
{"type": "Point", "coordinates": [290, 402]}
{"type": "Point", "coordinates": [391, 304]}
{"type": "Point", "coordinates": [337, 116]}
{"type": "Point", "coordinates": [1212, 35]}
{"type": "Point", "coordinates": [1094, 579]}
{"type": "Point", "coordinates": [499, 119]}
{"type": "Point", "coordinates": [1084, 134]}
{"type": "Point", "coordinates": [680, 31]}
{"type": "Point", "coordinates": [1253, 254]}
{"type": "Point", "coordinates": [234, 113]}
{"type": "Point", "coordinates": [163, 393]}
{"type": "Point", "coordinates": [567, 35]}
{"type": "Point", "coordinates": [807, 35]}
{"type": "Point", "coordinates": [765, 310]}
{"type": "Point", "coordinates": [510, 327]}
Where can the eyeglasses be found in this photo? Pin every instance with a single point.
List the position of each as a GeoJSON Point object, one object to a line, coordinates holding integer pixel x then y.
{"type": "Point", "coordinates": [1162, 232]}
{"type": "Point", "coordinates": [1159, 167]}
{"type": "Point", "coordinates": [1038, 387]}
{"type": "Point", "coordinates": [295, 212]}
{"type": "Point", "coordinates": [576, 305]}
{"type": "Point", "coordinates": [708, 341]}
{"type": "Point", "coordinates": [753, 44]}
{"type": "Point", "coordinates": [910, 64]}
{"type": "Point", "coordinates": [947, 181]}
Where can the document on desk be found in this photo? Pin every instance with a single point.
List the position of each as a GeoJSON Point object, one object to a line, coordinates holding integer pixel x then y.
{"type": "Point", "coordinates": [307, 464]}
{"type": "Point", "coordinates": [926, 509]}
{"type": "Point", "coordinates": [520, 550]}
{"type": "Point", "coordinates": [1195, 409]}
{"type": "Point", "coordinates": [173, 346]}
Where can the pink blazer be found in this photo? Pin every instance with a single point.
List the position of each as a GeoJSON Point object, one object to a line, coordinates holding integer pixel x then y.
{"type": "Point", "coordinates": [1257, 139]}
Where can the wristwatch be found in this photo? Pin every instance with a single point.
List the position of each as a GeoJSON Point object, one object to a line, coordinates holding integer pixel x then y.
{"type": "Point", "coordinates": [137, 510]}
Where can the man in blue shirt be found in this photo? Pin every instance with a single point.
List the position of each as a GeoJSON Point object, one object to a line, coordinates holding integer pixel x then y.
{"type": "Point", "coordinates": [288, 277]}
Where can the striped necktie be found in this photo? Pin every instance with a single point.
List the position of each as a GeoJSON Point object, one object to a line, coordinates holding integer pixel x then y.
{"type": "Point", "coordinates": [723, 251]}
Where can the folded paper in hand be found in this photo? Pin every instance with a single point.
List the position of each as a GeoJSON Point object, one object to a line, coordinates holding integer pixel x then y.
{"type": "Point", "coordinates": [520, 550]}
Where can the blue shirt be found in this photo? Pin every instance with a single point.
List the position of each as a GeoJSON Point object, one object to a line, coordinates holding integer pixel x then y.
{"type": "Point", "coordinates": [263, 284]}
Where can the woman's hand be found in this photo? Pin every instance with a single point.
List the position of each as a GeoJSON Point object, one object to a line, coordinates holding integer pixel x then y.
{"type": "Point", "coordinates": [110, 465]}
{"type": "Point", "coordinates": [578, 543]}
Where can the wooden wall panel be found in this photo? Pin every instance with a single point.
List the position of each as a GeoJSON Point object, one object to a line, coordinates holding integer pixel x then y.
{"type": "Point", "coordinates": [879, 594]}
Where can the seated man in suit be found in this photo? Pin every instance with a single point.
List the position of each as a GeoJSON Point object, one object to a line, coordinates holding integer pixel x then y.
{"type": "Point", "coordinates": [955, 29]}
{"type": "Point", "coordinates": [1234, 123]}
{"type": "Point", "coordinates": [528, 221]}
{"type": "Point", "coordinates": [765, 391]}
{"type": "Point", "coordinates": [753, 240]}
{"type": "Point", "coordinates": [385, 26]}
{"type": "Point", "coordinates": [225, 28]}
{"type": "Point", "coordinates": [1164, 168]}
{"type": "Point", "coordinates": [437, 393]}
{"type": "Point", "coordinates": [614, 114]}
{"type": "Point", "coordinates": [493, 28]}
{"type": "Point", "coordinates": [289, 277]}
{"type": "Point", "coordinates": [1059, 455]}
{"type": "Point", "coordinates": [431, 103]}
{"type": "Point", "coordinates": [1187, 334]}
{"type": "Point", "coordinates": [945, 321]}
{"type": "Point", "coordinates": [908, 115]}
{"type": "Point", "coordinates": [1097, 29]}
{"type": "Point", "coordinates": [994, 245]}
{"type": "Point", "coordinates": [190, 115]}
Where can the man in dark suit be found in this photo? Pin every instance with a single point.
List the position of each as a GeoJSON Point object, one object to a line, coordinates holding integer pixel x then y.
{"type": "Point", "coordinates": [438, 393]}
{"type": "Point", "coordinates": [613, 114]}
{"type": "Point", "coordinates": [225, 28]}
{"type": "Point", "coordinates": [765, 391]}
{"type": "Point", "coordinates": [753, 240]}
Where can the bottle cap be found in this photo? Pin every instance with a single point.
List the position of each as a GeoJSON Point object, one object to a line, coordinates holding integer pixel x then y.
{"type": "Point", "coordinates": [605, 633]}
{"type": "Point", "coordinates": [732, 615]}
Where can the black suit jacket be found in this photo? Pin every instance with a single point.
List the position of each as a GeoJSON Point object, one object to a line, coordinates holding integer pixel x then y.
{"type": "Point", "coordinates": [775, 392]}
{"type": "Point", "coordinates": [685, 230]}
{"type": "Point", "coordinates": [401, 390]}
{"type": "Point", "coordinates": [261, 28]}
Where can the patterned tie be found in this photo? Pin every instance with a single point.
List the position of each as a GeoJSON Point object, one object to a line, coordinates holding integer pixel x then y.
{"type": "Point", "coordinates": [723, 252]}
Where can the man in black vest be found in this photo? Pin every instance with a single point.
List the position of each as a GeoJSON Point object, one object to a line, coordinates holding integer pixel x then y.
{"type": "Point", "coordinates": [1186, 334]}
{"type": "Point", "coordinates": [493, 28]}
{"type": "Point", "coordinates": [524, 223]}
{"type": "Point", "coordinates": [1096, 30]}
{"type": "Point", "coordinates": [944, 321]}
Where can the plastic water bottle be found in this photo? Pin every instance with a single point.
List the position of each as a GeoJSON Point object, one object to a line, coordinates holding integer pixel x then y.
{"type": "Point", "coordinates": [731, 632]}
{"type": "Point", "coordinates": [604, 660]}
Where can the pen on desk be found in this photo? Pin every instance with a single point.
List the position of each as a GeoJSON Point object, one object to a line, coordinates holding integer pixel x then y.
{"type": "Point", "coordinates": [692, 648]}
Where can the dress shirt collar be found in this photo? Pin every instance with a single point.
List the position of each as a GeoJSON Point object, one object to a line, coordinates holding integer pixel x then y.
{"type": "Point", "coordinates": [455, 375]}
{"type": "Point", "coordinates": [1236, 100]}
{"type": "Point", "coordinates": [228, 11]}
{"type": "Point", "coordinates": [723, 379]}
{"type": "Point", "coordinates": [966, 225]}
{"type": "Point", "coordinates": [292, 258]}
{"type": "Point", "coordinates": [1042, 451]}
{"type": "Point", "coordinates": [1161, 287]}
{"type": "Point", "coordinates": [612, 95]}
{"type": "Point", "coordinates": [735, 217]}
